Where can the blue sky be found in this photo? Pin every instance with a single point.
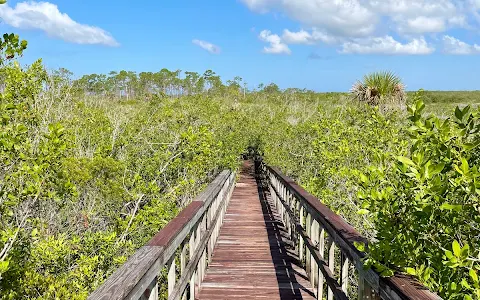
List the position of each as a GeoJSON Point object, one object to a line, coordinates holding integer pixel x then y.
{"type": "Point", "coordinates": [315, 44]}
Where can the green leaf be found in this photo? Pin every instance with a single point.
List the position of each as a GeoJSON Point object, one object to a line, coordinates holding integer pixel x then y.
{"type": "Point", "coordinates": [449, 254]}
{"type": "Point", "coordinates": [471, 146]}
{"type": "Point", "coordinates": [363, 178]}
{"type": "Point", "coordinates": [436, 169]}
{"type": "Point", "coordinates": [411, 271]}
{"type": "Point", "coordinates": [387, 273]}
{"type": "Point", "coordinates": [453, 286]}
{"type": "Point", "coordinates": [473, 275]}
{"type": "Point", "coordinates": [457, 250]}
{"type": "Point", "coordinates": [405, 160]}
{"type": "Point", "coordinates": [465, 251]}
{"type": "Point", "coordinates": [4, 266]}
{"type": "Point", "coordinates": [465, 284]}
{"type": "Point", "coordinates": [448, 206]}
{"type": "Point", "coordinates": [419, 106]}
{"type": "Point", "coordinates": [363, 211]}
{"type": "Point", "coordinates": [465, 167]}
{"type": "Point", "coordinates": [458, 113]}
{"type": "Point", "coordinates": [359, 246]}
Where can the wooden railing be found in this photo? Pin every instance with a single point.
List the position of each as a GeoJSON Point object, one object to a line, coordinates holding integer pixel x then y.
{"type": "Point", "coordinates": [319, 234]}
{"type": "Point", "coordinates": [194, 231]}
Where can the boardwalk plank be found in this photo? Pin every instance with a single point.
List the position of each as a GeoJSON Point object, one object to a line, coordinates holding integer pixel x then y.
{"type": "Point", "coordinates": [251, 260]}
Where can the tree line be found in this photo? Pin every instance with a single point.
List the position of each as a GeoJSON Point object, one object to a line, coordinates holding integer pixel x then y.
{"type": "Point", "coordinates": [130, 85]}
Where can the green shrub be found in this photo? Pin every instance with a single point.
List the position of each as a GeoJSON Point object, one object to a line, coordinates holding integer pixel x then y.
{"type": "Point", "coordinates": [425, 206]}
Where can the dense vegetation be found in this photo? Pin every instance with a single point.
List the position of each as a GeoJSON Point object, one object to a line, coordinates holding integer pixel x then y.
{"type": "Point", "coordinates": [92, 168]}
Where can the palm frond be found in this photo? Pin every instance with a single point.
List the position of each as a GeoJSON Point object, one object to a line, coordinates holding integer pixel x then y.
{"type": "Point", "coordinates": [377, 86]}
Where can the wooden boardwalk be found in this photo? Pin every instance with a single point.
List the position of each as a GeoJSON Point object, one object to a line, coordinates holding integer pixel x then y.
{"type": "Point", "coordinates": [251, 260]}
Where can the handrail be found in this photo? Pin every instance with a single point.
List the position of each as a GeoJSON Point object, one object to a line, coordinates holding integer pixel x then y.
{"type": "Point", "coordinates": [195, 230]}
{"type": "Point", "coordinates": [309, 221]}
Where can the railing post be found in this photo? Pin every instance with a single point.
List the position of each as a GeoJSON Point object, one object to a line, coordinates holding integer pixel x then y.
{"type": "Point", "coordinates": [313, 265]}
{"type": "Point", "coordinates": [293, 208]}
{"type": "Point", "coordinates": [183, 260]}
{"type": "Point", "coordinates": [171, 275]}
{"type": "Point", "coordinates": [308, 229]}
{"type": "Point", "coordinates": [192, 247]}
{"type": "Point", "coordinates": [198, 237]}
{"type": "Point", "coordinates": [331, 263]}
{"type": "Point", "coordinates": [302, 246]}
{"type": "Point", "coordinates": [298, 238]}
{"type": "Point", "coordinates": [321, 250]}
{"type": "Point", "coordinates": [344, 273]}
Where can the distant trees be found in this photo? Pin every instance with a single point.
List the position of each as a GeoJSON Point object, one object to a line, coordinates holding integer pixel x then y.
{"type": "Point", "coordinates": [166, 83]}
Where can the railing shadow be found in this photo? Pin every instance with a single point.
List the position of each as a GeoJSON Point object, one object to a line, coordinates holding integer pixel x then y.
{"type": "Point", "coordinates": [281, 249]}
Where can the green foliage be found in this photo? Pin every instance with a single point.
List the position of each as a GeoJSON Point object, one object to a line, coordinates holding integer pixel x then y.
{"type": "Point", "coordinates": [86, 180]}
{"type": "Point", "coordinates": [425, 207]}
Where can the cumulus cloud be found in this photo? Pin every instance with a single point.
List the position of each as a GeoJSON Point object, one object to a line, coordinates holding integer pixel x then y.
{"type": "Point", "coordinates": [277, 46]}
{"type": "Point", "coordinates": [422, 24]}
{"type": "Point", "coordinates": [387, 45]}
{"type": "Point", "coordinates": [304, 37]}
{"type": "Point", "coordinates": [455, 46]}
{"type": "Point", "coordinates": [345, 22]}
{"type": "Point", "coordinates": [214, 49]}
{"type": "Point", "coordinates": [342, 17]}
{"type": "Point", "coordinates": [47, 17]}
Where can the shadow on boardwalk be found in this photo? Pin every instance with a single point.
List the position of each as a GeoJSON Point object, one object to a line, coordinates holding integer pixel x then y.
{"type": "Point", "coordinates": [284, 256]}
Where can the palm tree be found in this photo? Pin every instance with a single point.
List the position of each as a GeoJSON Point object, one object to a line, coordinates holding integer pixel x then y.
{"type": "Point", "coordinates": [380, 88]}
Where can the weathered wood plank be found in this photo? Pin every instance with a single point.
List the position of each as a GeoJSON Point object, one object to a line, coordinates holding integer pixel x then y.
{"type": "Point", "coordinates": [250, 259]}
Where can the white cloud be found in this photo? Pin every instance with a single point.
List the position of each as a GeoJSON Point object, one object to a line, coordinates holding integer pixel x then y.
{"type": "Point", "coordinates": [304, 37]}
{"type": "Point", "coordinates": [300, 37]}
{"type": "Point", "coordinates": [357, 18]}
{"type": "Point", "coordinates": [420, 16]}
{"type": "Point", "coordinates": [207, 46]}
{"type": "Point", "coordinates": [338, 22]}
{"type": "Point", "coordinates": [46, 17]}
{"type": "Point", "coordinates": [457, 47]}
{"type": "Point", "coordinates": [276, 44]}
{"type": "Point", "coordinates": [387, 45]}
{"type": "Point", "coordinates": [423, 25]}
{"type": "Point", "coordinates": [340, 17]}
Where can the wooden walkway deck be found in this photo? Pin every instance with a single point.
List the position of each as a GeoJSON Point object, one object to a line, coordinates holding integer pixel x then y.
{"type": "Point", "coordinates": [251, 260]}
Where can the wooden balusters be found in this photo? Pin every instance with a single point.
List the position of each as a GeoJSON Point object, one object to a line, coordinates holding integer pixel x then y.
{"type": "Point", "coordinates": [313, 263]}
{"type": "Point", "coordinates": [192, 247]}
{"type": "Point", "coordinates": [183, 261]}
{"type": "Point", "coordinates": [331, 263]}
{"type": "Point", "coordinates": [171, 275]}
{"type": "Point", "coordinates": [308, 257]}
{"type": "Point", "coordinates": [302, 243]}
{"type": "Point", "coordinates": [344, 272]}
{"type": "Point", "coordinates": [321, 250]}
